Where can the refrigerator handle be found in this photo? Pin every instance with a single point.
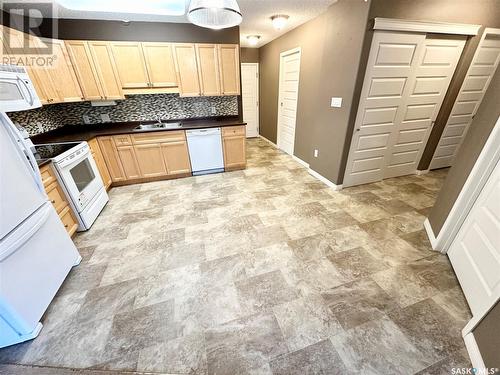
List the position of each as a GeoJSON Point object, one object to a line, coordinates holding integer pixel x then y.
{"type": "Point", "coordinates": [35, 171]}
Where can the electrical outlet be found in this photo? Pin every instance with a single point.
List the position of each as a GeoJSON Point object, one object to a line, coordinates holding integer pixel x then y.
{"type": "Point", "coordinates": [336, 102]}
{"type": "Point", "coordinates": [86, 119]}
{"type": "Point", "coordinates": [316, 153]}
{"type": "Point", "coordinates": [212, 110]}
{"type": "Point", "coordinates": [105, 117]}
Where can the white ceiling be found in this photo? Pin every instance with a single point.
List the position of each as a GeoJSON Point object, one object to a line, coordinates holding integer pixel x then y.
{"type": "Point", "coordinates": [256, 15]}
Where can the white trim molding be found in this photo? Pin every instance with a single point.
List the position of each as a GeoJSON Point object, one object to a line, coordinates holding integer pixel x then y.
{"type": "Point", "coordinates": [421, 172]}
{"type": "Point", "coordinates": [268, 141]}
{"type": "Point", "coordinates": [300, 161]}
{"type": "Point", "coordinates": [485, 163]}
{"type": "Point", "coordinates": [325, 180]}
{"type": "Point", "coordinates": [430, 233]}
{"type": "Point", "coordinates": [474, 354]}
{"type": "Point", "coordinates": [393, 24]}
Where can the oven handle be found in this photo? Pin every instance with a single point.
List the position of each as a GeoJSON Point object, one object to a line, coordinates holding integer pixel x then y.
{"type": "Point", "coordinates": [76, 160]}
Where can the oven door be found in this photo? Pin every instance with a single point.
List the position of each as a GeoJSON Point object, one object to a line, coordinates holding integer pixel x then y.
{"type": "Point", "coordinates": [81, 179]}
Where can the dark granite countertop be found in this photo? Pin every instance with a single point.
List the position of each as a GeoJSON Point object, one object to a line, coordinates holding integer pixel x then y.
{"type": "Point", "coordinates": [85, 132]}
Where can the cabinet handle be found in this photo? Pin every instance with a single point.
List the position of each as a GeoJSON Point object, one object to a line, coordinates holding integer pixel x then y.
{"type": "Point", "coordinates": [65, 225]}
{"type": "Point", "coordinates": [53, 201]}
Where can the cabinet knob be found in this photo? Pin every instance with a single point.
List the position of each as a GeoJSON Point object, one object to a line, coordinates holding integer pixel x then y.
{"type": "Point", "coordinates": [53, 201]}
{"type": "Point", "coordinates": [65, 225]}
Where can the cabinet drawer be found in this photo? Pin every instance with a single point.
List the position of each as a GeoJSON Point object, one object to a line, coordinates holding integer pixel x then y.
{"type": "Point", "coordinates": [68, 220]}
{"type": "Point", "coordinates": [159, 137]}
{"type": "Point", "coordinates": [56, 196]}
{"type": "Point", "coordinates": [233, 130]}
{"type": "Point", "coordinates": [48, 176]}
{"type": "Point", "coordinates": [122, 140]}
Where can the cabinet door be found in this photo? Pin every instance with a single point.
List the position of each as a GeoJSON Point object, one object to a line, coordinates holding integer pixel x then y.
{"type": "Point", "coordinates": [234, 152]}
{"type": "Point", "coordinates": [208, 69]}
{"type": "Point", "coordinates": [129, 162]}
{"type": "Point", "coordinates": [111, 158]}
{"type": "Point", "coordinates": [150, 160]}
{"type": "Point", "coordinates": [176, 157]}
{"type": "Point", "coordinates": [187, 70]}
{"type": "Point", "coordinates": [229, 66]}
{"type": "Point", "coordinates": [81, 58]}
{"type": "Point", "coordinates": [101, 164]}
{"type": "Point", "coordinates": [160, 64]}
{"type": "Point", "coordinates": [130, 63]}
{"type": "Point", "coordinates": [63, 74]}
{"type": "Point", "coordinates": [106, 70]}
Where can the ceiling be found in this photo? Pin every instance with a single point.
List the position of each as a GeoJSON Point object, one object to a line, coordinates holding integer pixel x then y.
{"type": "Point", "coordinates": [256, 15]}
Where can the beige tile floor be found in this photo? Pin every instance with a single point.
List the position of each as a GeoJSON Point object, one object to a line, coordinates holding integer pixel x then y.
{"type": "Point", "coordinates": [262, 271]}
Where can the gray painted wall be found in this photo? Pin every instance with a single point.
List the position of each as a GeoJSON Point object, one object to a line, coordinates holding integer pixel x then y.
{"type": "Point", "coordinates": [488, 339]}
{"type": "Point", "coordinates": [249, 55]}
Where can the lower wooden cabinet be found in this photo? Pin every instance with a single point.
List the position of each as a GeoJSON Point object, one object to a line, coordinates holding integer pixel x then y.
{"type": "Point", "coordinates": [58, 199]}
{"type": "Point", "coordinates": [234, 144]}
{"type": "Point", "coordinates": [101, 164]}
{"type": "Point", "coordinates": [146, 155]}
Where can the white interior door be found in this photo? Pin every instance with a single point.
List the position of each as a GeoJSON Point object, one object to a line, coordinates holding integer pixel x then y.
{"type": "Point", "coordinates": [250, 97]}
{"type": "Point", "coordinates": [428, 86]}
{"type": "Point", "coordinates": [476, 82]}
{"type": "Point", "coordinates": [475, 251]}
{"type": "Point", "coordinates": [406, 79]}
{"type": "Point", "coordinates": [288, 97]}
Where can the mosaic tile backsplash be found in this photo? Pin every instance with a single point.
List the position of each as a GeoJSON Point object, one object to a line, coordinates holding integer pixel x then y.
{"type": "Point", "coordinates": [133, 108]}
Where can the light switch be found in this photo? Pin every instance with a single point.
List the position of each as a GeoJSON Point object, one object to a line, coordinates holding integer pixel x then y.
{"type": "Point", "coordinates": [336, 102]}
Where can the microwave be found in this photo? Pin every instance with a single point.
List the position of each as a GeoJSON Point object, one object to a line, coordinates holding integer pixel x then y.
{"type": "Point", "coordinates": [17, 92]}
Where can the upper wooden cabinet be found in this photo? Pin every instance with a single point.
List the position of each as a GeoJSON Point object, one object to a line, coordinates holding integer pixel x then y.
{"type": "Point", "coordinates": [106, 71]}
{"type": "Point", "coordinates": [160, 64]}
{"type": "Point", "coordinates": [62, 72]}
{"type": "Point", "coordinates": [131, 65]}
{"type": "Point", "coordinates": [208, 69]}
{"type": "Point", "coordinates": [81, 58]}
{"type": "Point", "coordinates": [229, 66]}
{"type": "Point", "coordinates": [187, 69]}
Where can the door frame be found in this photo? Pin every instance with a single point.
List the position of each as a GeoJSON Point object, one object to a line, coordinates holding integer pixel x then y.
{"type": "Point", "coordinates": [257, 65]}
{"type": "Point", "coordinates": [282, 57]}
{"type": "Point", "coordinates": [485, 163]}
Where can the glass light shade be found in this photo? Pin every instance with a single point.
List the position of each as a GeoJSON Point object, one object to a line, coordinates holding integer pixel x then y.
{"type": "Point", "coordinates": [253, 39]}
{"type": "Point", "coordinates": [214, 14]}
{"type": "Point", "coordinates": [279, 21]}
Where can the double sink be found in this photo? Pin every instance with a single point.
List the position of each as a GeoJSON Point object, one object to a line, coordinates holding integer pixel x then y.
{"type": "Point", "coordinates": [158, 126]}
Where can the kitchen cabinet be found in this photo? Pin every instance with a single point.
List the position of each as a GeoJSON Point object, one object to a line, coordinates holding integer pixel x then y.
{"type": "Point", "coordinates": [85, 70]}
{"type": "Point", "coordinates": [234, 145]}
{"type": "Point", "coordinates": [129, 162]}
{"type": "Point", "coordinates": [187, 69]}
{"type": "Point", "coordinates": [208, 69]}
{"type": "Point", "coordinates": [58, 199]}
{"type": "Point", "coordinates": [106, 71]}
{"type": "Point", "coordinates": [176, 156]}
{"type": "Point", "coordinates": [160, 64]}
{"type": "Point", "coordinates": [101, 165]}
{"type": "Point", "coordinates": [111, 158]}
{"type": "Point", "coordinates": [62, 73]}
{"type": "Point", "coordinates": [131, 65]}
{"type": "Point", "coordinates": [150, 160]}
{"type": "Point", "coordinates": [229, 66]}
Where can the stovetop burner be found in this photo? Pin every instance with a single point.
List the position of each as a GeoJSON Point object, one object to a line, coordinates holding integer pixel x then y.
{"type": "Point", "coordinates": [51, 150]}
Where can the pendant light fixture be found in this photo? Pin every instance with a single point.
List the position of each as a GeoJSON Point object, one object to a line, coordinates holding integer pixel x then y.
{"type": "Point", "coordinates": [214, 14]}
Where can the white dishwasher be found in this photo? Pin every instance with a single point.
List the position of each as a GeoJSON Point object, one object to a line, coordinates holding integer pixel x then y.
{"type": "Point", "coordinates": [205, 151]}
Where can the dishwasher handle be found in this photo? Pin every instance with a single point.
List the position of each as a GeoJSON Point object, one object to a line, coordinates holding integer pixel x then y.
{"type": "Point", "coordinates": [202, 132]}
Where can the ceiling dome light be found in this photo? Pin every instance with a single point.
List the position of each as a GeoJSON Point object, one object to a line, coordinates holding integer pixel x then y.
{"type": "Point", "coordinates": [279, 21]}
{"type": "Point", "coordinates": [214, 14]}
{"type": "Point", "coordinates": [253, 39]}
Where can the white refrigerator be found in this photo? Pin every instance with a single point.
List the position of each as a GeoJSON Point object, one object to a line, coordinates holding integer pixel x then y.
{"type": "Point", "coordinates": [36, 253]}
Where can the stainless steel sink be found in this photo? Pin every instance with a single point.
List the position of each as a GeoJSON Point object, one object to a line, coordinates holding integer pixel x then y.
{"type": "Point", "coordinates": [158, 126]}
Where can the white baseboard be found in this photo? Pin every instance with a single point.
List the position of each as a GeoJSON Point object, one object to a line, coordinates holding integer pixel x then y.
{"type": "Point", "coordinates": [474, 353]}
{"type": "Point", "coordinates": [421, 172]}
{"type": "Point", "coordinates": [300, 161]}
{"type": "Point", "coordinates": [325, 180]}
{"type": "Point", "coordinates": [430, 234]}
{"type": "Point", "coordinates": [268, 141]}
{"type": "Point", "coordinates": [311, 172]}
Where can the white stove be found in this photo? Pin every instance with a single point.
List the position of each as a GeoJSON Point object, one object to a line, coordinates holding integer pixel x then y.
{"type": "Point", "coordinates": [79, 177]}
